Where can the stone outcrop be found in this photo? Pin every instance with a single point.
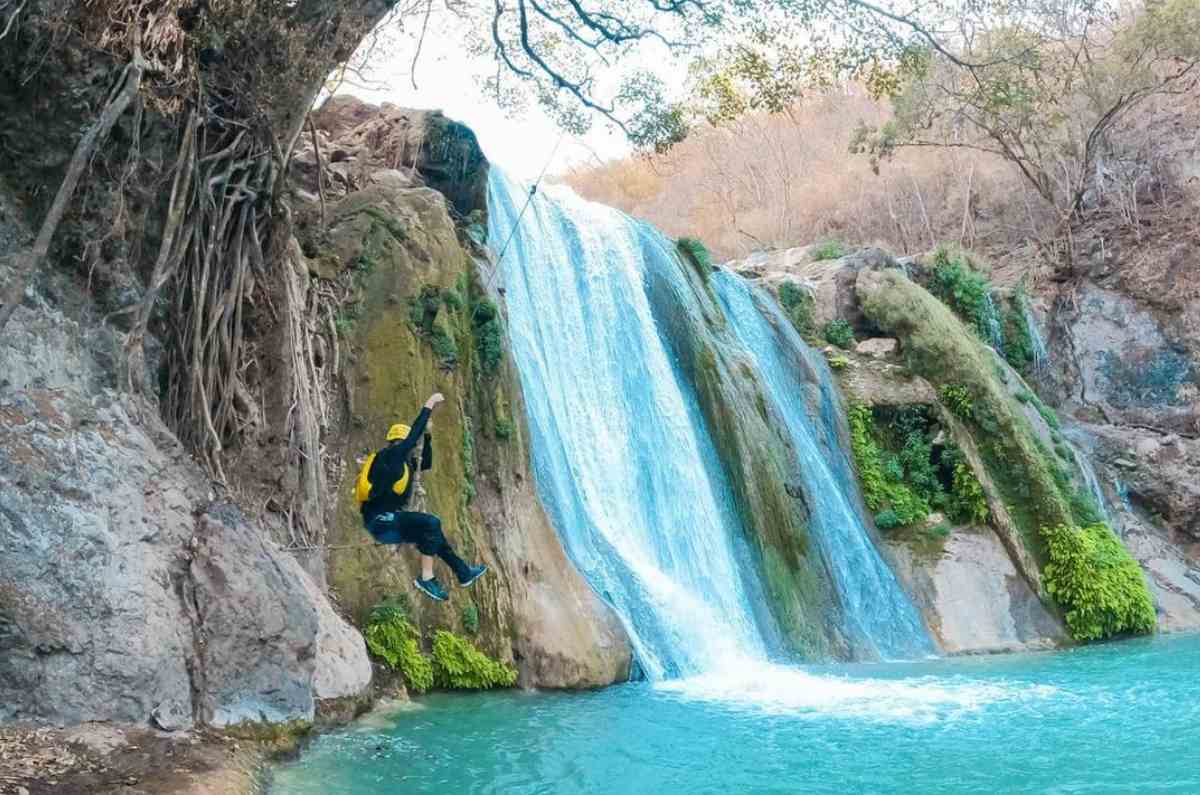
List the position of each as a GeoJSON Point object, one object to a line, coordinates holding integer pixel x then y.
{"type": "Point", "coordinates": [831, 283]}
{"type": "Point", "coordinates": [127, 594]}
{"type": "Point", "coordinates": [972, 596]}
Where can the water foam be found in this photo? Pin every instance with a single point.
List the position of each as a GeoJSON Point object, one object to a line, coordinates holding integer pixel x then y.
{"type": "Point", "coordinates": [771, 689]}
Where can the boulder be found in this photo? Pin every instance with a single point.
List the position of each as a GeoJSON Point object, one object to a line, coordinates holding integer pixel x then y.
{"type": "Point", "coordinates": [126, 594]}
{"type": "Point", "coordinates": [830, 282]}
{"type": "Point", "coordinates": [973, 598]}
{"type": "Point", "coordinates": [878, 347]}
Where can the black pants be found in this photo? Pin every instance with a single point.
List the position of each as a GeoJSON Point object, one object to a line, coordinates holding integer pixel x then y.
{"type": "Point", "coordinates": [422, 529]}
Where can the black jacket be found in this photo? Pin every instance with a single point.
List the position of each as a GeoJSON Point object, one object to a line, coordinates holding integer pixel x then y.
{"type": "Point", "coordinates": [389, 466]}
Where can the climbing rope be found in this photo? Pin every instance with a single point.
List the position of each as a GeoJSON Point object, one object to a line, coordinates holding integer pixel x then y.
{"type": "Point", "coordinates": [533, 189]}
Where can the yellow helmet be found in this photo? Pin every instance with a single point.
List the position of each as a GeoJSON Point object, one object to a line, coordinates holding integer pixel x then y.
{"type": "Point", "coordinates": [398, 431]}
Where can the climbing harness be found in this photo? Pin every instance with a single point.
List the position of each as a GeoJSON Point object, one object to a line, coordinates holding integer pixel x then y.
{"type": "Point", "coordinates": [418, 504]}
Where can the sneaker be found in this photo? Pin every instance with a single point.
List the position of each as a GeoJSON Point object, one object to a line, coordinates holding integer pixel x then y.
{"type": "Point", "coordinates": [432, 588]}
{"type": "Point", "coordinates": [474, 573]}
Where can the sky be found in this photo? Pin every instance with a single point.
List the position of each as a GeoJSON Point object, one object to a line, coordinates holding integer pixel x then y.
{"type": "Point", "coordinates": [447, 79]}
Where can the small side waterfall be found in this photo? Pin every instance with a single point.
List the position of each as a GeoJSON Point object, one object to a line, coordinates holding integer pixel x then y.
{"type": "Point", "coordinates": [994, 324]}
{"type": "Point", "coordinates": [1037, 344]}
{"type": "Point", "coordinates": [1083, 462]}
{"type": "Point", "coordinates": [881, 620]}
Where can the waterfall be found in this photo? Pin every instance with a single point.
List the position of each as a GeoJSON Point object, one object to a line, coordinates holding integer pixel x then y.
{"type": "Point", "coordinates": [995, 327]}
{"type": "Point", "coordinates": [880, 619]}
{"type": "Point", "coordinates": [1083, 463]}
{"type": "Point", "coordinates": [1037, 344]}
{"type": "Point", "coordinates": [624, 464]}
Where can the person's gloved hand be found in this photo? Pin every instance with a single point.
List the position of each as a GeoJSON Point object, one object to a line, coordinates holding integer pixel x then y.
{"type": "Point", "coordinates": [434, 400]}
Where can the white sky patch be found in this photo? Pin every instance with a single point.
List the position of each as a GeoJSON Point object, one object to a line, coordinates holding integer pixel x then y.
{"type": "Point", "coordinates": [448, 79]}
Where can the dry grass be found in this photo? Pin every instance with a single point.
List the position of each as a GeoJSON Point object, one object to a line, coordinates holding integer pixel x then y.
{"type": "Point", "coordinates": [769, 182]}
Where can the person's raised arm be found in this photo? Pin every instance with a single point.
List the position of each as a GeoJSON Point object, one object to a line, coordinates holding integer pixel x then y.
{"type": "Point", "coordinates": [418, 426]}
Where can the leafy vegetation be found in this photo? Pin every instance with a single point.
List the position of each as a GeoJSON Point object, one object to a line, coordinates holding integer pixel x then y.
{"type": "Point", "coordinates": [458, 665]}
{"type": "Point", "coordinates": [455, 663]}
{"type": "Point", "coordinates": [392, 638]}
{"type": "Point", "coordinates": [957, 398]}
{"type": "Point", "coordinates": [897, 488]}
{"type": "Point", "coordinates": [830, 249]}
{"type": "Point", "coordinates": [697, 254]}
{"type": "Point", "coordinates": [1092, 575]}
{"type": "Point", "coordinates": [798, 305]}
{"type": "Point", "coordinates": [962, 288]}
{"type": "Point", "coordinates": [505, 428]}
{"type": "Point", "coordinates": [839, 332]}
{"type": "Point", "coordinates": [837, 362]}
{"type": "Point", "coordinates": [967, 503]}
{"type": "Point", "coordinates": [1018, 338]}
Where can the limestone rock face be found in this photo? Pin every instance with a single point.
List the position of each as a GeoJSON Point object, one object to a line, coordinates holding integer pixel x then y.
{"type": "Point", "coordinates": [1126, 362]}
{"type": "Point", "coordinates": [126, 593]}
{"type": "Point", "coordinates": [974, 599]}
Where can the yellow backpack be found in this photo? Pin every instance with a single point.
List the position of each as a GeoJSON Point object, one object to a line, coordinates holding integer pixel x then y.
{"type": "Point", "coordinates": [362, 489]}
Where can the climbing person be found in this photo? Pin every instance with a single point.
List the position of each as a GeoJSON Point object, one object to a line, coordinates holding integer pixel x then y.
{"type": "Point", "coordinates": [385, 484]}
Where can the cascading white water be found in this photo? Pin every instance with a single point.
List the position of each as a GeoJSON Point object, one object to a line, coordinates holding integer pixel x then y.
{"type": "Point", "coordinates": [623, 461]}
{"type": "Point", "coordinates": [880, 620]}
{"type": "Point", "coordinates": [995, 327]}
{"type": "Point", "coordinates": [1036, 343]}
{"type": "Point", "coordinates": [1083, 463]}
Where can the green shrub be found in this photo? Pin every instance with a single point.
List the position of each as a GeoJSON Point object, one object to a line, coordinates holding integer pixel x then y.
{"type": "Point", "coordinates": [957, 398]}
{"type": "Point", "coordinates": [837, 362]}
{"type": "Point", "coordinates": [838, 332]}
{"type": "Point", "coordinates": [1024, 396]}
{"type": "Point", "coordinates": [798, 305]}
{"type": "Point", "coordinates": [696, 253]}
{"type": "Point", "coordinates": [505, 428]}
{"type": "Point", "coordinates": [470, 618]}
{"type": "Point", "coordinates": [458, 665]}
{"type": "Point", "coordinates": [1018, 339]}
{"type": "Point", "coordinates": [1100, 586]}
{"type": "Point", "coordinates": [884, 490]}
{"type": "Point", "coordinates": [967, 502]}
{"type": "Point", "coordinates": [961, 289]}
{"type": "Point", "coordinates": [391, 638]}
{"type": "Point", "coordinates": [1047, 413]}
{"type": "Point", "coordinates": [830, 249]}
{"type": "Point", "coordinates": [887, 520]}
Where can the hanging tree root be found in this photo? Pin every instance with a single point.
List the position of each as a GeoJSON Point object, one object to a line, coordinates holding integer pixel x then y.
{"type": "Point", "coordinates": [26, 263]}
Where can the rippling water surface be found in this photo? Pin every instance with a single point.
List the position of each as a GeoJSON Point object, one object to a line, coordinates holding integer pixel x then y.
{"type": "Point", "coordinates": [1121, 717]}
